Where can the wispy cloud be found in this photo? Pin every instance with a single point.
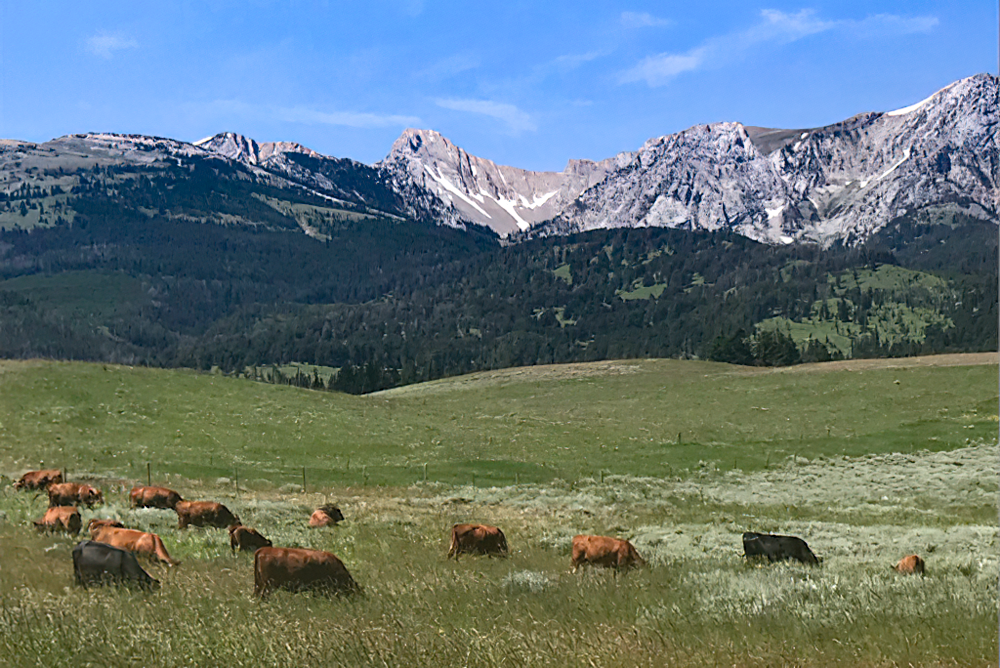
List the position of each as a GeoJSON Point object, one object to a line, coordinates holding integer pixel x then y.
{"type": "Point", "coordinates": [310, 116]}
{"type": "Point", "coordinates": [105, 44]}
{"type": "Point", "coordinates": [775, 27]}
{"type": "Point", "coordinates": [571, 61]}
{"type": "Point", "coordinates": [450, 66]}
{"type": "Point", "coordinates": [890, 24]}
{"type": "Point", "coordinates": [351, 119]}
{"type": "Point", "coordinates": [643, 20]}
{"type": "Point", "coordinates": [517, 121]}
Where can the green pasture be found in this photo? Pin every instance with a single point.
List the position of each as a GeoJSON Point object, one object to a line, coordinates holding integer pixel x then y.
{"type": "Point", "coordinates": [867, 460]}
{"type": "Point", "coordinates": [697, 602]}
{"type": "Point", "coordinates": [645, 417]}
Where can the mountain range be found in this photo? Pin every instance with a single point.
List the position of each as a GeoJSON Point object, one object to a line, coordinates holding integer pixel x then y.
{"type": "Point", "coordinates": [876, 236]}
{"type": "Point", "coordinates": [930, 161]}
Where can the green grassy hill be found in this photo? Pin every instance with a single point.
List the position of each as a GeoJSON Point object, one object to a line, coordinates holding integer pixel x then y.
{"type": "Point", "coordinates": [866, 460]}
{"type": "Point", "coordinates": [646, 417]}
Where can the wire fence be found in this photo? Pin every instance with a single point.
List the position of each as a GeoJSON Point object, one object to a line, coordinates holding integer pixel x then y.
{"type": "Point", "coordinates": [244, 476]}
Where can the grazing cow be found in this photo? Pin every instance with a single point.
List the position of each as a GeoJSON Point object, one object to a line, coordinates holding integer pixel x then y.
{"type": "Point", "coordinates": [910, 565]}
{"type": "Point", "coordinates": [72, 493]}
{"type": "Point", "coordinates": [60, 518]}
{"type": "Point", "coordinates": [325, 516]}
{"type": "Point", "coordinates": [477, 539]}
{"type": "Point", "coordinates": [247, 539]}
{"type": "Point", "coordinates": [139, 542]}
{"type": "Point", "coordinates": [98, 563]}
{"type": "Point", "coordinates": [298, 569]}
{"type": "Point", "coordinates": [777, 548]}
{"type": "Point", "coordinates": [154, 497]}
{"type": "Point", "coordinates": [39, 479]}
{"type": "Point", "coordinates": [604, 551]}
{"type": "Point", "coordinates": [204, 514]}
{"type": "Point", "coordinates": [92, 524]}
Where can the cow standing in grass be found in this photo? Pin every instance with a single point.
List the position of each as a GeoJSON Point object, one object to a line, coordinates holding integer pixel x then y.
{"type": "Point", "coordinates": [139, 542]}
{"type": "Point", "coordinates": [204, 514]}
{"type": "Point", "coordinates": [72, 493]}
{"type": "Point", "coordinates": [61, 518]}
{"type": "Point", "coordinates": [910, 565]}
{"type": "Point", "coordinates": [37, 480]}
{"type": "Point", "coordinates": [604, 551]}
{"type": "Point", "coordinates": [777, 548]}
{"type": "Point", "coordinates": [98, 563]}
{"type": "Point", "coordinates": [298, 569]}
{"type": "Point", "coordinates": [477, 539]}
{"type": "Point", "coordinates": [154, 497]}
{"type": "Point", "coordinates": [246, 539]}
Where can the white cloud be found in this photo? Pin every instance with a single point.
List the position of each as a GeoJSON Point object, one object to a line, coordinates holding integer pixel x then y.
{"type": "Point", "coordinates": [571, 61]}
{"type": "Point", "coordinates": [517, 121]}
{"type": "Point", "coordinates": [450, 66]}
{"type": "Point", "coordinates": [306, 115]}
{"type": "Point", "coordinates": [775, 27]}
{"type": "Point", "coordinates": [890, 24]}
{"type": "Point", "coordinates": [351, 119]}
{"type": "Point", "coordinates": [104, 44]}
{"type": "Point", "coordinates": [643, 20]}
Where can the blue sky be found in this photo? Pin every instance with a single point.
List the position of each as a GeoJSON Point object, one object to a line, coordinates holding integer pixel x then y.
{"type": "Point", "coordinates": [529, 84]}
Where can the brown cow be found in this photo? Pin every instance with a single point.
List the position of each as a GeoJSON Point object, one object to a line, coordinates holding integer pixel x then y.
{"type": "Point", "coordinates": [247, 539]}
{"type": "Point", "coordinates": [477, 539]}
{"type": "Point", "coordinates": [910, 565]}
{"type": "Point", "coordinates": [204, 514]}
{"type": "Point", "coordinates": [139, 542]}
{"type": "Point", "coordinates": [39, 479]}
{"type": "Point", "coordinates": [92, 524]}
{"type": "Point", "coordinates": [326, 516]}
{"type": "Point", "coordinates": [299, 569]}
{"type": "Point", "coordinates": [72, 493]}
{"type": "Point", "coordinates": [60, 518]}
{"type": "Point", "coordinates": [604, 551]}
{"type": "Point", "coordinates": [154, 497]}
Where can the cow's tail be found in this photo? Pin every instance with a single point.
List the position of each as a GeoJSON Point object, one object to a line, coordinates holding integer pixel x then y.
{"type": "Point", "coordinates": [161, 553]}
{"type": "Point", "coordinates": [453, 549]}
{"type": "Point", "coordinates": [504, 550]}
{"type": "Point", "coordinates": [259, 584]}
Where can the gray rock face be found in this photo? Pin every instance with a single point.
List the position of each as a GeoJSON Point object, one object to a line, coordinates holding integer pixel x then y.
{"type": "Point", "coordinates": [840, 182]}
{"type": "Point", "coordinates": [442, 181]}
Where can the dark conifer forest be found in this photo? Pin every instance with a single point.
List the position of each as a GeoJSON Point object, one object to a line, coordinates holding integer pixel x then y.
{"type": "Point", "coordinates": [195, 267]}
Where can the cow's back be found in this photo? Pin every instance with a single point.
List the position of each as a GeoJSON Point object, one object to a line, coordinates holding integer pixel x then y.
{"type": "Point", "coordinates": [910, 565]}
{"type": "Point", "coordinates": [204, 513]}
{"type": "Point", "coordinates": [298, 569]}
{"type": "Point", "coordinates": [776, 547]}
{"type": "Point", "coordinates": [98, 563]}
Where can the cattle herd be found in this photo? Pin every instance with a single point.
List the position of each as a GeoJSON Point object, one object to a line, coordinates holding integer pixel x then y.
{"type": "Point", "coordinates": [110, 556]}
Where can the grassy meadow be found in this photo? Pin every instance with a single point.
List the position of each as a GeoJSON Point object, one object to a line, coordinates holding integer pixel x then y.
{"type": "Point", "coordinates": [866, 460]}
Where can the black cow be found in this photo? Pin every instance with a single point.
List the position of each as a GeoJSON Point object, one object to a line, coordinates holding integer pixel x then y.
{"type": "Point", "coordinates": [777, 548]}
{"type": "Point", "coordinates": [97, 563]}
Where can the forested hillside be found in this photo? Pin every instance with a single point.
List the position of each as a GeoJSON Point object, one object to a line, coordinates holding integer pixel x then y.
{"type": "Point", "coordinates": [194, 266]}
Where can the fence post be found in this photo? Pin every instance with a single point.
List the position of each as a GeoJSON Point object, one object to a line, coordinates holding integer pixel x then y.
{"type": "Point", "coordinates": [517, 478]}
{"type": "Point", "coordinates": [303, 479]}
{"type": "Point", "coordinates": [149, 478]}
{"type": "Point", "coordinates": [425, 471]}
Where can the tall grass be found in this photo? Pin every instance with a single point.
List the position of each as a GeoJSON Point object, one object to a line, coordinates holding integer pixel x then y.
{"type": "Point", "coordinates": [697, 603]}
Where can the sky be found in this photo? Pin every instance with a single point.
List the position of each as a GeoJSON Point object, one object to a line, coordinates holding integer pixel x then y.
{"type": "Point", "coordinates": [530, 84]}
